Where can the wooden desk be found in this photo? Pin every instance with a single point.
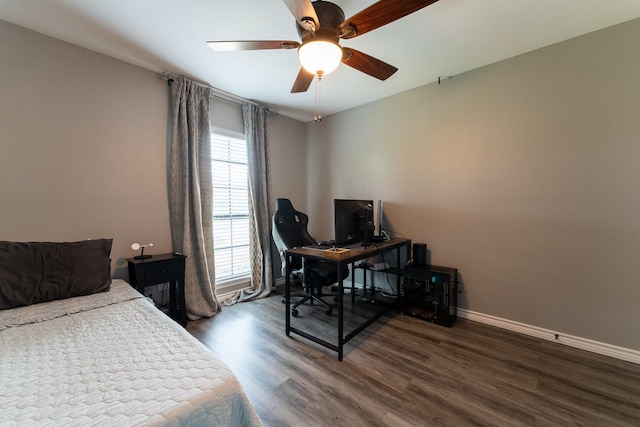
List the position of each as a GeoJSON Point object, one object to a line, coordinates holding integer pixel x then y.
{"type": "Point", "coordinates": [357, 254]}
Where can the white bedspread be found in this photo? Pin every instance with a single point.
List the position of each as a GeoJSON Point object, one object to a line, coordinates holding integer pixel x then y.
{"type": "Point", "coordinates": [111, 359]}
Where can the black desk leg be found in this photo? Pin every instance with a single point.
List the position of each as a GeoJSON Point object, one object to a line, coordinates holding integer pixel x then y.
{"type": "Point", "coordinates": [398, 305]}
{"type": "Point", "coordinates": [340, 311]}
{"type": "Point", "coordinates": [287, 294]}
{"type": "Point", "coordinates": [353, 282]}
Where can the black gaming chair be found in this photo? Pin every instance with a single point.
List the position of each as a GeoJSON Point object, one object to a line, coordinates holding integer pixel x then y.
{"type": "Point", "coordinates": [290, 231]}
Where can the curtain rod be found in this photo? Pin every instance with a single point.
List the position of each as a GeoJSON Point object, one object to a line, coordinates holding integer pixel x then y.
{"type": "Point", "coordinates": [216, 92]}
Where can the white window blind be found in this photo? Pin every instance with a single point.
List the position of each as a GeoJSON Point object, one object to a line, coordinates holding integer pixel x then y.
{"type": "Point", "coordinates": [230, 209]}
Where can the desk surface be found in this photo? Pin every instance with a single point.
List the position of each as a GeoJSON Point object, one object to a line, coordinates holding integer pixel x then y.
{"type": "Point", "coordinates": [356, 254]}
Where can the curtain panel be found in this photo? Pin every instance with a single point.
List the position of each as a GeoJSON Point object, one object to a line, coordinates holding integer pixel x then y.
{"type": "Point", "coordinates": [190, 193]}
{"type": "Point", "coordinates": [262, 280]}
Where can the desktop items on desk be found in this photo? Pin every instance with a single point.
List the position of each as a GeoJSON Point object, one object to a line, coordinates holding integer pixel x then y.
{"type": "Point", "coordinates": [337, 253]}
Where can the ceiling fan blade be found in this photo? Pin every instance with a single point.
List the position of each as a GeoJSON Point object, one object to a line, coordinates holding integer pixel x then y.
{"type": "Point", "coordinates": [303, 81]}
{"type": "Point", "coordinates": [303, 11]}
{"type": "Point", "coordinates": [367, 64]}
{"type": "Point", "coordinates": [252, 45]}
{"type": "Point", "coordinates": [378, 14]}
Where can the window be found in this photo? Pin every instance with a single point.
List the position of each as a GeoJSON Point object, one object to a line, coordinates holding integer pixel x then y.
{"type": "Point", "coordinates": [230, 210]}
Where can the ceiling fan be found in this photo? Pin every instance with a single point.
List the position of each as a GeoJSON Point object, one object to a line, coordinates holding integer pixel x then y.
{"type": "Point", "coordinates": [321, 25]}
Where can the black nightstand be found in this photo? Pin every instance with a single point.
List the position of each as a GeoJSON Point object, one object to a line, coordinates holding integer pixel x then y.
{"type": "Point", "coordinates": [161, 269]}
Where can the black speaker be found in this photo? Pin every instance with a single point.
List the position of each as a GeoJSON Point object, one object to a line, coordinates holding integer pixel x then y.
{"type": "Point", "coordinates": [419, 254]}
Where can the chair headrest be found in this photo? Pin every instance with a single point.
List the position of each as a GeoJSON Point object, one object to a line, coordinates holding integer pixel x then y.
{"type": "Point", "coordinates": [285, 211]}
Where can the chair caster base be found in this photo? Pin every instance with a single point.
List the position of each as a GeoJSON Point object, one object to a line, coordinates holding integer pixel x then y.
{"type": "Point", "coordinates": [294, 313]}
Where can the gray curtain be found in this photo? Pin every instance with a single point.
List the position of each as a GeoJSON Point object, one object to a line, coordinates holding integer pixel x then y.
{"type": "Point", "coordinates": [255, 129]}
{"type": "Point", "coordinates": [190, 193]}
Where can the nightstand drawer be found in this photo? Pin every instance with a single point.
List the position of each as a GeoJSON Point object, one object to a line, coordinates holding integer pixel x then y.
{"type": "Point", "coordinates": [163, 272]}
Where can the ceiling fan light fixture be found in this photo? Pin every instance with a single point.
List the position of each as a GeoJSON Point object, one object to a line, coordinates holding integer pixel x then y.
{"type": "Point", "coordinates": [320, 57]}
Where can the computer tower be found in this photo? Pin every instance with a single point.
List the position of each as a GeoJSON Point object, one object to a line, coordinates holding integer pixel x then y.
{"type": "Point", "coordinates": [431, 293]}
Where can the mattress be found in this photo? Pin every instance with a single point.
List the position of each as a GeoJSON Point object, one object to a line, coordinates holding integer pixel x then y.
{"type": "Point", "coordinates": [111, 358]}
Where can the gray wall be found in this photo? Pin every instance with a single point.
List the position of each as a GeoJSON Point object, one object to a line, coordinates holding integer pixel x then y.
{"type": "Point", "coordinates": [522, 174]}
{"type": "Point", "coordinates": [83, 143]}
{"type": "Point", "coordinates": [525, 175]}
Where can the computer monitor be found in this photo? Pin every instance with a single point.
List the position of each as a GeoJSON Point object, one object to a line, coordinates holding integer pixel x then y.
{"type": "Point", "coordinates": [353, 221]}
{"type": "Point", "coordinates": [378, 220]}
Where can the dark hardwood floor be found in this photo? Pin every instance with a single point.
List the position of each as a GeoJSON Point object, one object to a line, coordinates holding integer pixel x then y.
{"type": "Point", "coordinates": [403, 371]}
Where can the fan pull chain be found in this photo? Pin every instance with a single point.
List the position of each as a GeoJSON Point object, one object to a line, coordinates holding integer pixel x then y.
{"type": "Point", "coordinates": [318, 116]}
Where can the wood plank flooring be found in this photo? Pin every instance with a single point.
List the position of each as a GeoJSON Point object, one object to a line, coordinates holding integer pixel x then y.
{"type": "Point", "coordinates": [403, 371]}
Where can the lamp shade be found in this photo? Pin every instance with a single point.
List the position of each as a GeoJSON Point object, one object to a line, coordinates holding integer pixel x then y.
{"type": "Point", "coordinates": [320, 57]}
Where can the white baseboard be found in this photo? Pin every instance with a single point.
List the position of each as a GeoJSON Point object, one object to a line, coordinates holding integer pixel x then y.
{"type": "Point", "coordinates": [549, 335]}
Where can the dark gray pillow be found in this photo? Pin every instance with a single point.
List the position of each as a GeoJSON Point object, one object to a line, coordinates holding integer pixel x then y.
{"type": "Point", "coordinates": [35, 272]}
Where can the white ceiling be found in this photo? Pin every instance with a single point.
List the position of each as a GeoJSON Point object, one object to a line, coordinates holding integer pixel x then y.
{"type": "Point", "coordinates": [444, 39]}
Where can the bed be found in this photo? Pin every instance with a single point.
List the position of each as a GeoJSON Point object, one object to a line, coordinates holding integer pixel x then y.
{"type": "Point", "coordinates": [109, 358]}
